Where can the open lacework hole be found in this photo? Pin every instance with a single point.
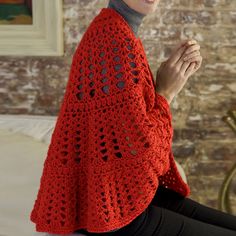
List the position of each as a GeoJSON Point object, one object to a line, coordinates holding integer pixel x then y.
{"type": "Point", "coordinates": [58, 214]}
{"type": "Point", "coordinates": [117, 153]}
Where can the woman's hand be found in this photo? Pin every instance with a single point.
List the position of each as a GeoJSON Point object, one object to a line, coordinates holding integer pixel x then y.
{"type": "Point", "coordinates": [175, 71]}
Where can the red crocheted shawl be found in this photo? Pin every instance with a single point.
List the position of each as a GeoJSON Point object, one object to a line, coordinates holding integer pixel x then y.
{"type": "Point", "coordinates": [111, 145]}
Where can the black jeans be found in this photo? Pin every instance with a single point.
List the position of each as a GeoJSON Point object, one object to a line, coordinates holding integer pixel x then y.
{"type": "Point", "coordinates": [170, 214]}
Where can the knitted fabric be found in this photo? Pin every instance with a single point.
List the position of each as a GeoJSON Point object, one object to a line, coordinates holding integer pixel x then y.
{"type": "Point", "coordinates": [111, 145]}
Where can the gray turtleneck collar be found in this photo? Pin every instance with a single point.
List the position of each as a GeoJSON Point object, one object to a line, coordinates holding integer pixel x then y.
{"type": "Point", "coordinates": [133, 18]}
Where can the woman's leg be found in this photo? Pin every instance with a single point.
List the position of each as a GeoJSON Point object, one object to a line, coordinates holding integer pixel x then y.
{"type": "Point", "coordinates": [158, 221]}
{"type": "Point", "coordinates": [175, 224]}
{"type": "Point", "coordinates": [173, 201]}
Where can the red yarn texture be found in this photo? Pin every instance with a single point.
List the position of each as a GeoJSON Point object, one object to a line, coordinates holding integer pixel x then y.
{"type": "Point", "coordinates": [111, 145]}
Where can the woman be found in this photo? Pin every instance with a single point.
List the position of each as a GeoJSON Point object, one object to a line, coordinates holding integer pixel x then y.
{"type": "Point", "coordinates": [110, 169]}
{"type": "Point", "coordinates": [170, 213]}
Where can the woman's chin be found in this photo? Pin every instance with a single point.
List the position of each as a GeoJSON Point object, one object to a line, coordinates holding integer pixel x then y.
{"type": "Point", "coordinates": [148, 8]}
{"type": "Point", "coordinates": [147, 11]}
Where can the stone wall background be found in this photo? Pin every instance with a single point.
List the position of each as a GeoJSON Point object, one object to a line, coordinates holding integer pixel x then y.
{"type": "Point", "coordinates": [203, 144]}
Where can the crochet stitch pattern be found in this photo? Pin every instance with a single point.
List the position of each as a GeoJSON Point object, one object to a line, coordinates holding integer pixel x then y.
{"type": "Point", "coordinates": [111, 145]}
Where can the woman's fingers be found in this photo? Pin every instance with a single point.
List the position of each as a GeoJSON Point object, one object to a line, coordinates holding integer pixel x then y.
{"type": "Point", "coordinates": [191, 54]}
{"type": "Point", "coordinates": [190, 70]}
{"type": "Point", "coordinates": [194, 59]}
{"type": "Point", "coordinates": [195, 65]}
{"type": "Point", "coordinates": [198, 63]}
{"type": "Point", "coordinates": [194, 54]}
{"type": "Point", "coordinates": [177, 55]}
{"type": "Point", "coordinates": [184, 67]}
{"type": "Point", "coordinates": [178, 52]}
{"type": "Point", "coordinates": [194, 47]}
{"type": "Point", "coordinates": [181, 49]}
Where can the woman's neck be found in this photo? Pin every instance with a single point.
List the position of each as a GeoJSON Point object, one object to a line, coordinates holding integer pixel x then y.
{"type": "Point", "coordinates": [133, 18]}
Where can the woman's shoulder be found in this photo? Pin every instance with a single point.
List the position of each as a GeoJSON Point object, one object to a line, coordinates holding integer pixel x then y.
{"type": "Point", "coordinates": [109, 27]}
